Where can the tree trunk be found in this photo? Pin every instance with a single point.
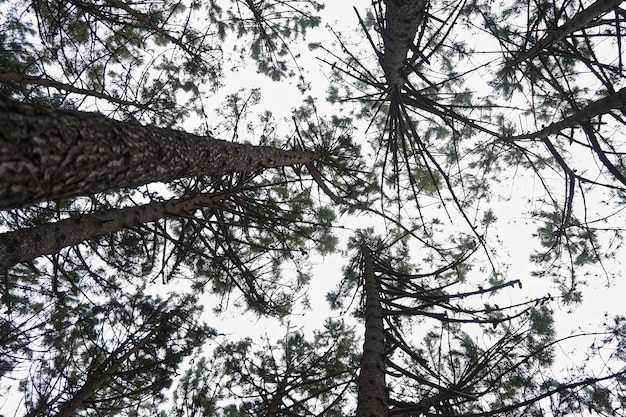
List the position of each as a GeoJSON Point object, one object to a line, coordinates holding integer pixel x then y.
{"type": "Point", "coordinates": [48, 154]}
{"type": "Point", "coordinates": [27, 244]}
{"type": "Point", "coordinates": [402, 18]}
{"type": "Point", "coordinates": [372, 396]}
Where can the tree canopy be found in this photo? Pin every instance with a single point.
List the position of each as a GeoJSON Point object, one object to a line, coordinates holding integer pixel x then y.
{"type": "Point", "coordinates": [164, 165]}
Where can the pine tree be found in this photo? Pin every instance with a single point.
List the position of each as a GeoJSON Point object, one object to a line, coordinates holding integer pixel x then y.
{"type": "Point", "coordinates": [122, 240]}
{"type": "Point", "coordinates": [462, 101]}
{"type": "Point", "coordinates": [474, 360]}
{"type": "Point", "coordinates": [372, 400]}
{"type": "Point", "coordinates": [29, 243]}
{"type": "Point", "coordinates": [291, 376]}
{"type": "Point", "coordinates": [441, 141]}
{"type": "Point", "coordinates": [423, 170]}
{"type": "Point", "coordinates": [110, 356]}
{"type": "Point", "coordinates": [50, 154]}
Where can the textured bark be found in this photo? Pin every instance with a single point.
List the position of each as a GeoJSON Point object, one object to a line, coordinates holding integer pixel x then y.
{"type": "Point", "coordinates": [596, 108]}
{"type": "Point", "coordinates": [372, 396]}
{"type": "Point", "coordinates": [402, 18]}
{"type": "Point", "coordinates": [47, 154]}
{"type": "Point", "coordinates": [27, 244]}
{"type": "Point", "coordinates": [579, 21]}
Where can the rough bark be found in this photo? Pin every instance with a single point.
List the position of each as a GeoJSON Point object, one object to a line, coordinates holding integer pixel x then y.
{"type": "Point", "coordinates": [48, 154]}
{"type": "Point", "coordinates": [372, 396]}
{"type": "Point", "coordinates": [402, 18]}
{"type": "Point", "coordinates": [577, 22]}
{"type": "Point", "coordinates": [27, 244]}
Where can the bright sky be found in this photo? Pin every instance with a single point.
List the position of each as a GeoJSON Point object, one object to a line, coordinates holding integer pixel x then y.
{"type": "Point", "coordinates": [515, 226]}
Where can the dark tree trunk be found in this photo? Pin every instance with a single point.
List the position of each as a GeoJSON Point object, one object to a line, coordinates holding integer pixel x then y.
{"type": "Point", "coordinates": [402, 18]}
{"type": "Point", "coordinates": [27, 244]}
{"type": "Point", "coordinates": [48, 154]}
{"type": "Point", "coordinates": [372, 396]}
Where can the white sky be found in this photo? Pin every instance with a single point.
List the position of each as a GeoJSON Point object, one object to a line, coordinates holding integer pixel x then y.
{"type": "Point", "coordinates": [515, 227]}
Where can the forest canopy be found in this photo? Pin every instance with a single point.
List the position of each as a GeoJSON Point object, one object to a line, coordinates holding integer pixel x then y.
{"type": "Point", "coordinates": [306, 208]}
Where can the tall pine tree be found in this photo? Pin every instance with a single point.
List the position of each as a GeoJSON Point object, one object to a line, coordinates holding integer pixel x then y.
{"type": "Point", "coordinates": [463, 105]}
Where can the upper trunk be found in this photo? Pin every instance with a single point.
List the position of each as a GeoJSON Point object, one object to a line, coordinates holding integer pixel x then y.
{"type": "Point", "coordinates": [372, 397]}
{"type": "Point", "coordinates": [48, 154]}
{"type": "Point", "coordinates": [402, 18]}
{"type": "Point", "coordinates": [27, 244]}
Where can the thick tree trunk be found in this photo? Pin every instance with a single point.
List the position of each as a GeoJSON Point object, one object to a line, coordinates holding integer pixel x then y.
{"type": "Point", "coordinates": [372, 396]}
{"type": "Point", "coordinates": [27, 244]}
{"type": "Point", "coordinates": [47, 154]}
{"type": "Point", "coordinates": [402, 18]}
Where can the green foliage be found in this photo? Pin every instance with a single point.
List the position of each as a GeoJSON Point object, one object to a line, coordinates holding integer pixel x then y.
{"type": "Point", "coordinates": [196, 393]}
{"type": "Point", "coordinates": [575, 241]}
{"type": "Point", "coordinates": [108, 52]}
{"type": "Point", "coordinates": [293, 375]}
{"type": "Point", "coordinates": [120, 352]}
{"type": "Point", "coordinates": [265, 29]}
{"type": "Point", "coordinates": [436, 157]}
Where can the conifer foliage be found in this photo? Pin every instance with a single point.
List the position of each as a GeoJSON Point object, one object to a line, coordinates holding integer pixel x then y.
{"type": "Point", "coordinates": [130, 227]}
{"type": "Point", "coordinates": [452, 372]}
